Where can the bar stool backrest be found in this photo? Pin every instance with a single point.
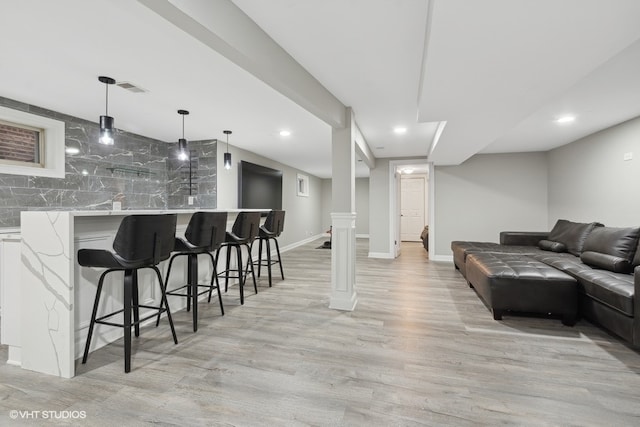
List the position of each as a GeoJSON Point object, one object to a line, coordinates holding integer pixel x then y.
{"type": "Point", "coordinates": [274, 223]}
{"type": "Point", "coordinates": [246, 225]}
{"type": "Point", "coordinates": [145, 238]}
{"type": "Point", "coordinates": [207, 229]}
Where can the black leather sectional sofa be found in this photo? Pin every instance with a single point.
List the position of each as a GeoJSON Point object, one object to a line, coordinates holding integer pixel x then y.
{"type": "Point", "coordinates": [576, 269]}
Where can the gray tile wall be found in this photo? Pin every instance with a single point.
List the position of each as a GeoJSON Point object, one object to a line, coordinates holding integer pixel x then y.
{"type": "Point", "coordinates": [203, 176]}
{"type": "Point", "coordinates": [147, 177]}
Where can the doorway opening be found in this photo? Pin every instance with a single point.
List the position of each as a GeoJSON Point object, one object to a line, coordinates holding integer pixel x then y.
{"type": "Point", "coordinates": [411, 204]}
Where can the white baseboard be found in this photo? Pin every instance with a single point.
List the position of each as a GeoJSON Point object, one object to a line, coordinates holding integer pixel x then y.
{"type": "Point", "coordinates": [441, 258]}
{"type": "Point", "coordinates": [302, 242]}
{"type": "Point", "coordinates": [381, 255]}
{"type": "Point", "coordinates": [362, 236]}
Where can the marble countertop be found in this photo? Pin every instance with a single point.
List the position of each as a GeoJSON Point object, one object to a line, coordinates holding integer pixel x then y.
{"type": "Point", "coordinates": [142, 212]}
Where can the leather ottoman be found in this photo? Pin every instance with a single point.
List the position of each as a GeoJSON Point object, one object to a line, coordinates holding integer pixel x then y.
{"type": "Point", "coordinates": [519, 283]}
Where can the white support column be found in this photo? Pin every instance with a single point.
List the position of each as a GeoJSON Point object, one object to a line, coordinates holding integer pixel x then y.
{"type": "Point", "coordinates": [343, 261]}
{"type": "Point", "coordinates": [343, 217]}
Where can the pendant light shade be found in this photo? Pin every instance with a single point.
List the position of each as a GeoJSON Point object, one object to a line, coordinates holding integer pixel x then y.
{"type": "Point", "coordinates": [183, 148]}
{"type": "Point", "coordinates": [227, 155]}
{"type": "Point", "coordinates": [106, 121]}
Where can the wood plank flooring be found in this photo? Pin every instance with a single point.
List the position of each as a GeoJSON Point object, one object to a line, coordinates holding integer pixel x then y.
{"type": "Point", "coordinates": [420, 349]}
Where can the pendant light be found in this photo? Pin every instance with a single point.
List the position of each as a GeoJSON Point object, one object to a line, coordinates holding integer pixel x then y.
{"type": "Point", "coordinates": [183, 150]}
{"type": "Point", "coordinates": [227, 155]}
{"type": "Point", "coordinates": [106, 121]}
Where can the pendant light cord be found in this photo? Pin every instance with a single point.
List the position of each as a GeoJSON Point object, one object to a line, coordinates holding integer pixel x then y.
{"type": "Point", "coordinates": [106, 103]}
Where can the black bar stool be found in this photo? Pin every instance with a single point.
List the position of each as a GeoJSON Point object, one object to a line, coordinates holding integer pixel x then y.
{"type": "Point", "coordinates": [142, 241]}
{"type": "Point", "coordinates": [243, 233]}
{"type": "Point", "coordinates": [204, 235]}
{"type": "Point", "coordinates": [270, 230]}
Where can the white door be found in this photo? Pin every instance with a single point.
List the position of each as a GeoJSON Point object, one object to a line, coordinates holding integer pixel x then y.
{"type": "Point", "coordinates": [412, 219]}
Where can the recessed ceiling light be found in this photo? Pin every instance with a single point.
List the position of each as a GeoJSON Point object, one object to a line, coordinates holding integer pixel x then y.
{"type": "Point", "coordinates": [565, 119]}
{"type": "Point", "coordinates": [400, 130]}
{"type": "Point", "coordinates": [285, 133]}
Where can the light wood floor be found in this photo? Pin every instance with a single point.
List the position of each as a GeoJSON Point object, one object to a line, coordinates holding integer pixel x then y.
{"type": "Point", "coordinates": [420, 349]}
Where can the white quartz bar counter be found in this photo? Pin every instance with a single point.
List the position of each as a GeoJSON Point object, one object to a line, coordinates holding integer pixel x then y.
{"type": "Point", "coordinates": [125, 212]}
{"type": "Point", "coordinates": [57, 294]}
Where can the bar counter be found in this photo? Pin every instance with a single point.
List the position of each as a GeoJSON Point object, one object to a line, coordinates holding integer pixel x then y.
{"type": "Point", "coordinates": [56, 294]}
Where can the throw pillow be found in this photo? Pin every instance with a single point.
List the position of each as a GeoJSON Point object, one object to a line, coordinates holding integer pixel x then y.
{"type": "Point", "coordinates": [572, 234]}
{"type": "Point", "coordinates": [611, 248]}
{"type": "Point", "coordinates": [548, 245]}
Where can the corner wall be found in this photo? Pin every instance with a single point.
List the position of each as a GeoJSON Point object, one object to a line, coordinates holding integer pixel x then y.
{"type": "Point", "coordinates": [379, 221]}
{"type": "Point", "coordinates": [303, 214]}
{"type": "Point", "coordinates": [487, 194]}
{"type": "Point", "coordinates": [589, 180]}
{"type": "Point", "coordinates": [362, 206]}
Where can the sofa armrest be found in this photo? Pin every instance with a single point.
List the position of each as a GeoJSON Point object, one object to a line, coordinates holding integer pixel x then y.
{"type": "Point", "coordinates": [522, 238]}
{"type": "Point", "coordinates": [636, 307]}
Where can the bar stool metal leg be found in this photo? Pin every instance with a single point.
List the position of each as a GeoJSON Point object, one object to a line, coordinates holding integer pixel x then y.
{"type": "Point", "coordinates": [279, 259]}
{"type": "Point", "coordinates": [192, 274]}
{"type": "Point", "coordinates": [128, 285]}
{"type": "Point", "coordinates": [166, 304]}
{"type": "Point", "coordinates": [217, 285]}
{"type": "Point", "coordinates": [241, 277]}
{"type": "Point", "coordinates": [226, 275]}
{"type": "Point", "coordinates": [134, 300]}
{"type": "Point", "coordinates": [93, 315]}
{"type": "Point", "coordinates": [250, 263]}
{"type": "Point", "coordinates": [268, 259]}
{"type": "Point", "coordinates": [259, 255]}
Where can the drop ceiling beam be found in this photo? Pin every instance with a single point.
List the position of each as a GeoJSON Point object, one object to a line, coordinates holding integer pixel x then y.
{"type": "Point", "coordinates": [223, 27]}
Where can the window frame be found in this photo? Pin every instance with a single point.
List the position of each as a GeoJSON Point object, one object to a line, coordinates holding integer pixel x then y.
{"type": "Point", "coordinates": [40, 144]}
{"type": "Point", "coordinates": [302, 185]}
{"type": "Point", "coordinates": [52, 141]}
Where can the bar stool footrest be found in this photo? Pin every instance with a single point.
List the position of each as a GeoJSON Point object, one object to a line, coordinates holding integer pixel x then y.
{"type": "Point", "coordinates": [157, 311]}
{"type": "Point", "coordinates": [177, 294]}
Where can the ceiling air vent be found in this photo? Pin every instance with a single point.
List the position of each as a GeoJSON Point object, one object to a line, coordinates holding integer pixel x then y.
{"type": "Point", "coordinates": [131, 87]}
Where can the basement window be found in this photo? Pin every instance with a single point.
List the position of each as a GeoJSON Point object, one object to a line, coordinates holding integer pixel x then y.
{"type": "Point", "coordinates": [302, 185]}
{"type": "Point", "coordinates": [30, 144]}
{"type": "Point", "coordinates": [21, 145]}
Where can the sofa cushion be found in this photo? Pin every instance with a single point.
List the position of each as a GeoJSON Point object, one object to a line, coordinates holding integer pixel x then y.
{"type": "Point", "coordinates": [636, 258]}
{"type": "Point", "coordinates": [613, 289]}
{"type": "Point", "coordinates": [606, 262]}
{"type": "Point", "coordinates": [548, 245]}
{"type": "Point", "coordinates": [571, 234]}
{"type": "Point", "coordinates": [566, 262]}
{"type": "Point", "coordinates": [611, 248]}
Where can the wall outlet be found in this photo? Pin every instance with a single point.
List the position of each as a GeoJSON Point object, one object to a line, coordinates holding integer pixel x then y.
{"type": "Point", "coordinates": [190, 200]}
{"type": "Point", "coordinates": [628, 156]}
{"type": "Point", "coordinates": [117, 206]}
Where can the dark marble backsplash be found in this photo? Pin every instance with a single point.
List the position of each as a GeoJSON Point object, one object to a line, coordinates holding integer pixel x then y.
{"type": "Point", "coordinates": [139, 172]}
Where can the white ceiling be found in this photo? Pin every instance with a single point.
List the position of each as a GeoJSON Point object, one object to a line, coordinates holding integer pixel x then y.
{"type": "Point", "coordinates": [498, 72]}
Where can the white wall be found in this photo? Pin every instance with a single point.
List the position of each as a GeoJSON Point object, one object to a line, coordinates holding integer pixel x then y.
{"type": "Point", "coordinates": [362, 205]}
{"type": "Point", "coordinates": [326, 204]}
{"type": "Point", "coordinates": [590, 181]}
{"type": "Point", "coordinates": [304, 214]}
{"type": "Point", "coordinates": [379, 221]}
{"type": "Point", "coordinates": [487, 194]}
